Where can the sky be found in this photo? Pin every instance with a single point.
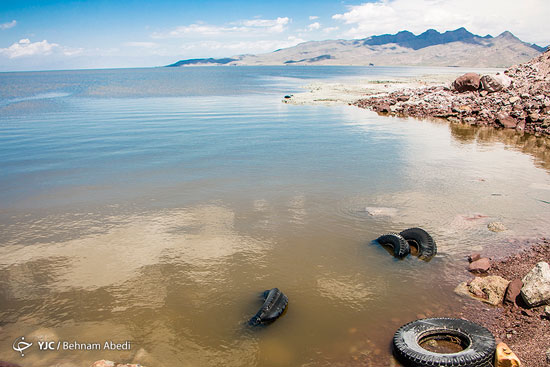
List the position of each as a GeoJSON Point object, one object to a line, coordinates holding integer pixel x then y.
{"type": "Point", "coordinates": [83, 34]}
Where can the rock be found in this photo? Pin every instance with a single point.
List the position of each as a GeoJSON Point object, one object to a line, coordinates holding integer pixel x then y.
{"type": "Point", "coordinates": [513, 291]}
{"type": "Point", "coordinates": [490, 84]}
{"type": "Point", "coordinates": [514, 99]}
{"type": "Point", "coordinates": [496, 227]}
{"type": "Point", "coordinates": [488, 289]}
{"type": "Point", "coordinates": [480, 265]}
{"type": "Point", "coordinates": [474, 257]}
{"type": "Point", "coordinates": [483, 93]}
{"type": "Point", "coordinates": [383, 107]}
{"type": "Point", "coordinates": [403, 98]}
{"type": "Point", "coordinates": [103, 363]}
{"type": "Point", "coordinates": [506, 121]}
{"type": "Point", "coordinates": [504, 80]}
{"type": "Point", "coordinates": [547, 312]}
{"type": "Point", "coordinates": [548, 356]}
{"type": "Point", "coordinates": [536, 285]}
{"type": "Point", "coordinates": [504, 357]}
{"type": "Point", "coordinates": [467, 82]}
{"type": "Point", "coordinates": [533, 117]}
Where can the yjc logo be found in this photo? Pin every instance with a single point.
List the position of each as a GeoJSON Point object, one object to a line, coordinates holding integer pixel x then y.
{"type": "Point", "coordinates": [20, 345]}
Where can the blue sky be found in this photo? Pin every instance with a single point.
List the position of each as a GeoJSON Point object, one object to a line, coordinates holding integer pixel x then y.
{"type": "Point", "coordinates": [55, 34]}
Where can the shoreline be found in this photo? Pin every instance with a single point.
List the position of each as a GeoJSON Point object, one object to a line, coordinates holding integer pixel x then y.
{"type": "Point", "coordinates": [517, 99]}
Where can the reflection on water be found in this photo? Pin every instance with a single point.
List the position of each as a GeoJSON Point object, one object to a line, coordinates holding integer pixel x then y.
{"type": "Point", "coordinates": [537, 146]}
{"type": "Point", "coordinates": [161, 220]}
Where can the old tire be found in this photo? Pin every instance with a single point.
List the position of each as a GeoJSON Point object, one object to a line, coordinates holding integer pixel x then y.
{"type": "Point", "coordinates": [422, 241]}
{"type": "Point", "coordinates": [275, 303]}
{"type": "Point", "coordinates": [478, 343]}
{"type": "Point", "coordinates": [400, 246]}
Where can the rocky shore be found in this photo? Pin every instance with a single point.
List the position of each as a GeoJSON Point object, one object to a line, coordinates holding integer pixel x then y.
{"type": "Point", "coordinates": [523, 327]}
{"type": "Point", "coordinates": [518, 98]}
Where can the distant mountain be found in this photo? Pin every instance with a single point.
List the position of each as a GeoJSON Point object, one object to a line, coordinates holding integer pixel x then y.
{"type": "Point", "coordinates": [431, 48]}
{"type": "Point", "coordinates": [209, 61]}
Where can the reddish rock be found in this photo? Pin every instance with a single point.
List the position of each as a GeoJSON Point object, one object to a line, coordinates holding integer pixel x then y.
{"type": "Point", "coordinates": [403, 98]}
{"type": "Point", "coordinates": [506, 121]}
{"type": "Point", "coordinates": [474, 256]}
{"type": "Point", "coordinates": [383, 107]}
{"type": "Point", "coordinates": [480, 265]}
{"type": "Point", "coordinates": [467, 82]}
{"type": "Point", "coordinates": [513, 291]}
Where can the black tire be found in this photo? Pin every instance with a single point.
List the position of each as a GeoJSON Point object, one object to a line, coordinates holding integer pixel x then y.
{"type": "Point", "coordinates": [478, 343]}
{"type": "Point", "coordinates": [275, 303]}
{"type": "Point", "coordinates": [422, 241]}
{"type": "Point", "coordinates": [400, 246]}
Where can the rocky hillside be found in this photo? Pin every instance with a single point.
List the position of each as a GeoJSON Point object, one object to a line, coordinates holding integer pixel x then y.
{"type": "Point", "coordinates": [431, 48]}
{"type": "Point", "coordinates": [517, 99]}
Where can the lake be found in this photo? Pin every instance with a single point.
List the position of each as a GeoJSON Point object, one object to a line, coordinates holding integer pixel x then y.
{"type": "Point", "coordinates": [155, 205]}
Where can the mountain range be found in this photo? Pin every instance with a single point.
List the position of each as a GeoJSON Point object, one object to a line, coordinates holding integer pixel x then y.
{"type": "Point", "coordinates": [431, 48]}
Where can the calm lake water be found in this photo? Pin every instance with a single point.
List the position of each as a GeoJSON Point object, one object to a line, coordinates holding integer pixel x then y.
{"type": "Point", "coordinates": [155, 205]}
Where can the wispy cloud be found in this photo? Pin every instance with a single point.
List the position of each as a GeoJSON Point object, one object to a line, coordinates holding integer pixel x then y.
{"type": "Point", "coordinates": [43, 48]}
{"type": "Point", "coordinates": [490, 17]}
{"type": "Point", "coordinates": [313, 17]}
{"type": "Point", "coordinates": [8, 25]}
{"type": "Point", "coordinates": [141, 44]}
{"type": "Point", "coordinates": [253, 46]}
{"type": "Point", "coordinates": [242, 28]}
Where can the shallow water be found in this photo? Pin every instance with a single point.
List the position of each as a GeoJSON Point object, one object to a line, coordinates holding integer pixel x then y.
{"type": "Point", "coordinates": [156, 205]}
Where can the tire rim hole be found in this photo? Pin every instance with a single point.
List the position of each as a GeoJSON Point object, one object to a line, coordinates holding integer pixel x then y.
{"type": "Point", "coordinates": [444, 343]}
{"type": "Point", "coordinates": [414, 247]}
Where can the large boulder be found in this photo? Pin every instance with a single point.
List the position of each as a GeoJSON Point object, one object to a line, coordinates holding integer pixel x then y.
{"type": "Point", "coordinates": [490, 84]}
{"type": "Point", "coordinates": [536, 285]}
{"type": "Point", "coordinates": [489, 289]}
{"type": "Point", "coordinates": [467, 82]}
{"type": "Point", "coordinates": [503, 79]}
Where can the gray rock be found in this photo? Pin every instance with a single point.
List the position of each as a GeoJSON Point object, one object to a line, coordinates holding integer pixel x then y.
{"type": "Point", "coordinates": [536, 285]}
{"type": "Point", "coordinates": [490, 84]}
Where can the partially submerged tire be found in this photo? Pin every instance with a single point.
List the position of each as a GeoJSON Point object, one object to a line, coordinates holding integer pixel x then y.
{"type": "Point", "coordinates": [422, 240]}
{"type": "Point", "coordinates": [478, 344]}
{"type": "Point", "coordinates": [400, 246]}
{"type": "Point", "coordinates": [275, 303]}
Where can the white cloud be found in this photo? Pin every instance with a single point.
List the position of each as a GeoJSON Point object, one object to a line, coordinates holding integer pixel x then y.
{"type": "Point", "coordinates": [241, 28]}
{"type": "Point", "coordinates": [43, 48]}
{"type": "Point", "coordinates": [314, 26]}
{"type": "Point", "coordinates": [8, 25]}
{"type": "Point", "coordinates": [313, 17]}
{"type": "Point", "coordinates": [276, 24]}
{"type": "Point", "coordinates": [527, 20]}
